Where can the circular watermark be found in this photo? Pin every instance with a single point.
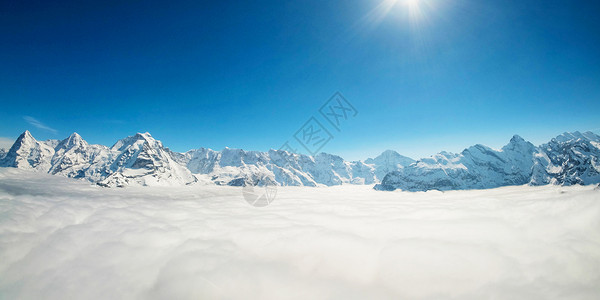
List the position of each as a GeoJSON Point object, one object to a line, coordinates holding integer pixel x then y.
{"type": "Point", "coordinates": [259, 196]}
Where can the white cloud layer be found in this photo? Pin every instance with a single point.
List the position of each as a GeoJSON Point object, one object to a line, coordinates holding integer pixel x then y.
{"type": "Point", "coordinates": [62, 239]}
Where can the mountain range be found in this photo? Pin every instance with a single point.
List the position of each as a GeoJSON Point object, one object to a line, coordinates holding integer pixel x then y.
{"type": "Point", "coordinates": [570, 158]}
{"type": "Point", "coordinates": [142, 160]}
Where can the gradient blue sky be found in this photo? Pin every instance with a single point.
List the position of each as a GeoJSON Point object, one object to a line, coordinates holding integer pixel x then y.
{"type": "Point", "coordinates": [442, 75]}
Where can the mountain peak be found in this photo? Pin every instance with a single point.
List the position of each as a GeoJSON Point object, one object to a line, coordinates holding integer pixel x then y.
{"type": "Point", "coordinates": [390, 154]}
{"type": "Point", "coordinates": [24, 138]}
{"type": "Point", "coordinates": [517, 139]}
{"type": "Point", "coordinates": [72, 140]}
{"type": "Point", "coordinates": [25, 134]}
{"type": "Point", "coordinates": [389, 151]}
{"type": "Point", "coordinates": [146, 136]}
{"type": "Point", "coordinates": [74, 137]}
{"type": "Point", "coordinates": [131, 140]}
{"type": "Point", "coordinates": [389, 158]}
{"type": "Point", "coordinates": [517, 143]}
{"type": "Point", "coordinates": [570, 136]}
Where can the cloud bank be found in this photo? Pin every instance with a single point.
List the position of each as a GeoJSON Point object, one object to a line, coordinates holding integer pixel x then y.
{"type": "Point", "coordinates": [61, 239]}
{"type": "Point", "coordinates": [6, 143]}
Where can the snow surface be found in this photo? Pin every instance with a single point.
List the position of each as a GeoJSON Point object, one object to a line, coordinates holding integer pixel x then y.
{"type": "Point", "coordinates": [65, 239]}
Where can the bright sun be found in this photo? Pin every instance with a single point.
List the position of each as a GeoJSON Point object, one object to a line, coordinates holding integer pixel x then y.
{"type": "Point", "coordinates": [414, 10]}
{"type": "Point", "coordinates": [411, 3]}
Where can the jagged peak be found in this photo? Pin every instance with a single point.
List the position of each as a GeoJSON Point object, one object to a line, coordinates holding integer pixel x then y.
{"type": "Point", "coordinates": [25, 135]}
{"type": "Point", "coordinates": [130, 140]}
{"type": "Point", "coordinates": [591, 136]}
{"type": "Point", "coordinates": [387, 154]}
{"type": "Point", "coordinates": [478, 146]}
{"type": "Point", "coordinates": [73, 139]}
{"type": "Point", "coordinates": [145, 135]}
{"type": "Point", "coordinates": [517, 143]}
{"type": "Point", "coordinates": [517, 139]}
{"type": "Point", "coordinates": [24, 138]}
{"type": "Point", "coordinates": [232, 150]}
{"type": "Point", "coordinates": [575, 135]}
{"type": "Point", "coordinates": [328, 155]}
{"type": "Point", "coordinates": [446, 153]}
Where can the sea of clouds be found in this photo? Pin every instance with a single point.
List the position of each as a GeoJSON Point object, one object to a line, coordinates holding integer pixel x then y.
{"type": "Point", "coordinates": [65, 239]}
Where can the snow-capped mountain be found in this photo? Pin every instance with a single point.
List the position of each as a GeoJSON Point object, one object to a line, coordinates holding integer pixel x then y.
{"type": "Point", "coordinates": [571, 158]}
{"type": "Point", "coordinates": [387, 162]}
{"type": "Point", "coordinates": [28, 153]}
{"type": "Point", "coordinates": [142, 160]}
{"type": "Point", "coordinates": [138, 160]}
{"type": "Point", "coordinates": [277, 167]}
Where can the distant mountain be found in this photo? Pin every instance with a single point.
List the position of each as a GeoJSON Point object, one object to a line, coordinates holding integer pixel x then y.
{"type": "Point", "coordinates": [568, 159]}
{"type": "Point", "coordinates": [142, 160]}
{"type": "Point", "coordinates": [387, 162]}
{"type": "Point", "coordinates": [571, 158]}
{"type": "Point", "coordinates": [28, 153]}
{"type": "Point", "coordinates": [138, 160]}
{"type": "Point", "coordinates": [239, 167]}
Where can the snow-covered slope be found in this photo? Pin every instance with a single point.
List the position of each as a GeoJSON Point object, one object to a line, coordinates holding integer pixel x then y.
{"type": "Point", "coordinates": [138, 160]}
{"type": "Point", "coordinates": [142, 160]}
{"type": "Point", "coordinates": [28, 153]}
{"type": "Point", "coordinates": [571, 158]}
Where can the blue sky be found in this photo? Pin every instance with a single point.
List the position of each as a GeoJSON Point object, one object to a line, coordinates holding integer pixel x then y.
{"type": "Point", "coordinates": [428, 76]}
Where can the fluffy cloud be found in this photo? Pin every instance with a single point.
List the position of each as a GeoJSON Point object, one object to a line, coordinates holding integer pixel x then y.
{"type": "Point", "coordinates": [62, 239]}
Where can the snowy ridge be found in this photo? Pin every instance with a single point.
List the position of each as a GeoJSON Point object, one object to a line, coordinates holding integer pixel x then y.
{"type": "Point", "coordinates": [142, 160]}
{"type": "Point", "coordinates": [570, 158]}
{"type": "Point", "coordinates": [138, 160]}
{"type": "Point", "coordinates": [277, 167]}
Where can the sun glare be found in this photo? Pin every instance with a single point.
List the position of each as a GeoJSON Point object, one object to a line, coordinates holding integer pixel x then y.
{"type": "Point", "coordinates": [411, 3]}
{"type": "Point", "coordinates": [414, 8]}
